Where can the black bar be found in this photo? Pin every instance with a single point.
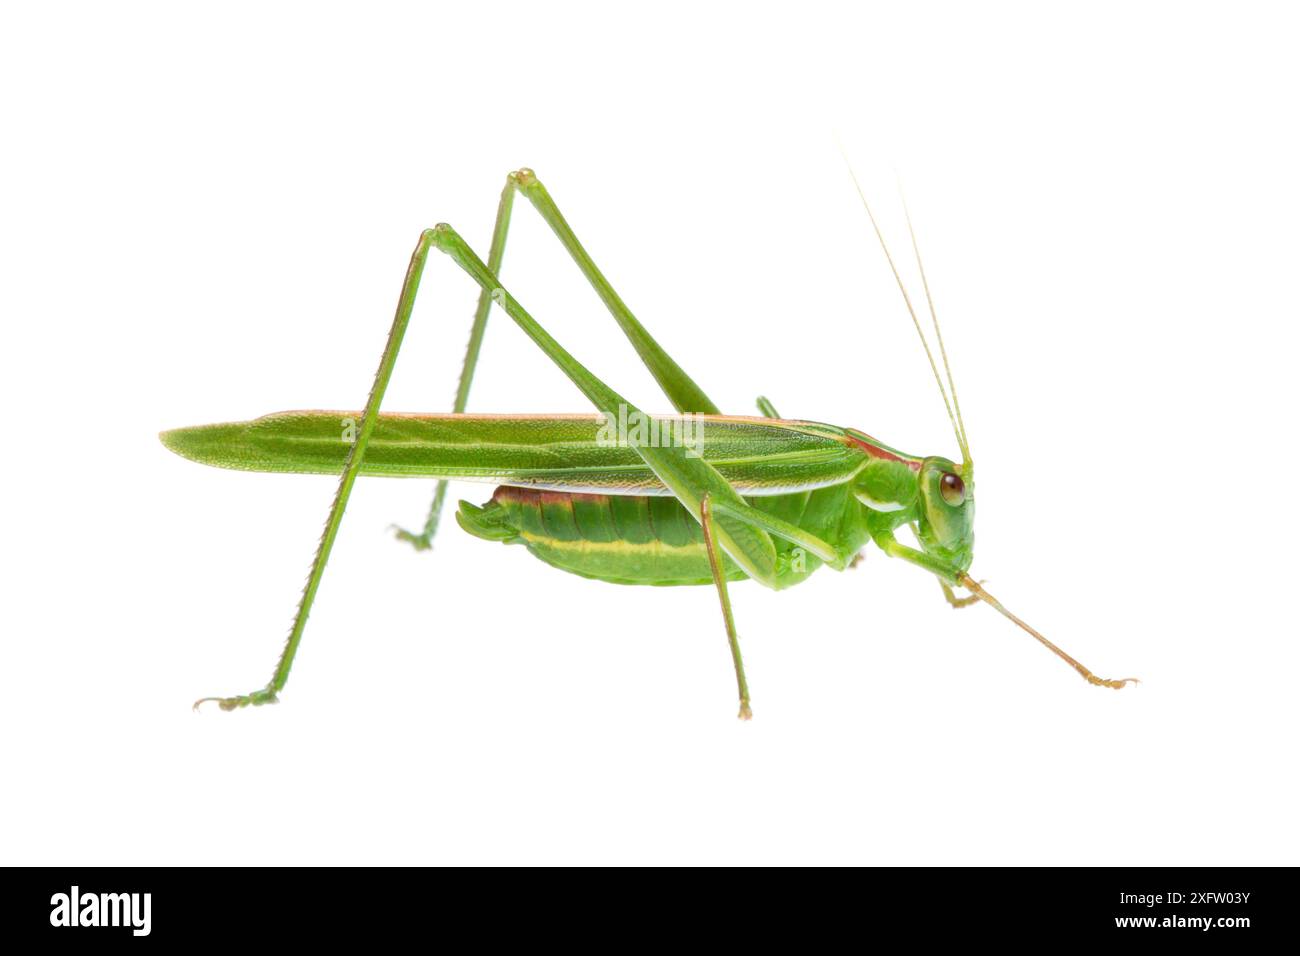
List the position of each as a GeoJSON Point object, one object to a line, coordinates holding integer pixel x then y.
{"type": "Point", "coordinates": [245, 907]}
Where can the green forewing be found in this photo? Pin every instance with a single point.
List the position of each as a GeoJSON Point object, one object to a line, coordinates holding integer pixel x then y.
{"type": "Point", "coordinates": [758, 456]}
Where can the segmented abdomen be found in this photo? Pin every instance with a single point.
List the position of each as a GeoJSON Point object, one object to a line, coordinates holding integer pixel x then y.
{"type": "Point", "coordinates": [625, 539]}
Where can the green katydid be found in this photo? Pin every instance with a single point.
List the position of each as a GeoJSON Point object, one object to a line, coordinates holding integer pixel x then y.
{"type": "Point", "coordinates": [693, 498]}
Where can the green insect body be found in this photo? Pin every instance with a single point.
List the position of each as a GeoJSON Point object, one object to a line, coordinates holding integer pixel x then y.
{"type": "Point", "coordinates": [690, 498]}
{"type": "Point", "coordinates": [596, 510]}
{"type": "Point", "coordinates": [653, 540]}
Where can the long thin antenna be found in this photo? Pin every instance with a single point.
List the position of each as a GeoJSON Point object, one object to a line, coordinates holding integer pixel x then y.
{"type": "Point", "coordinates": [934, 317]}
{"type": "Point", "coordinates": [938, 380]}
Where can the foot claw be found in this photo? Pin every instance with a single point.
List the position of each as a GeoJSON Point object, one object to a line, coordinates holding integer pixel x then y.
{"type": "Point", "coordinates": [256, 699]}
{"type": "Point", "coordinates": [1105, 682]}
{"type": "Point", "coordinates": [951, 597]}
{"type": "Point", "coordinates": [420, 542]}
{"type": "Point", "coordinates": [745, 712]}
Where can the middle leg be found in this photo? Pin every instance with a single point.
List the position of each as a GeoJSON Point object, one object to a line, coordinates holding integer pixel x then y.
{"type": "Point", "coordinates": [720, 582]}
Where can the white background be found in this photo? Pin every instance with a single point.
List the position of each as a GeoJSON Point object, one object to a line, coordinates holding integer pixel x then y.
{"type": "Point", "coordinates": [206, 214]}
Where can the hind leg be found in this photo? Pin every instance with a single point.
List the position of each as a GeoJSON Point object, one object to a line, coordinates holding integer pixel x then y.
{"type": "Point", "coordinates": [679, 387]}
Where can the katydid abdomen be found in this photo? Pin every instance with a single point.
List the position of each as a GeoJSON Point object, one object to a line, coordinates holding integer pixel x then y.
{"type": "Point", "coordinates": [653, 540]}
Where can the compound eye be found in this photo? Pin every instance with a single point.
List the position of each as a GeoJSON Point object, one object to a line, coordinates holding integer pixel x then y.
{"type": "Point", "coordinates": [953, 489]}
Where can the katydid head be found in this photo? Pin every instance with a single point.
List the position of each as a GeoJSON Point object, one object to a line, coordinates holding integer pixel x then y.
{"type": "Point", "coordinates": [946, 516]}
{"type": "Point", "coordinates": [946, 509]}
